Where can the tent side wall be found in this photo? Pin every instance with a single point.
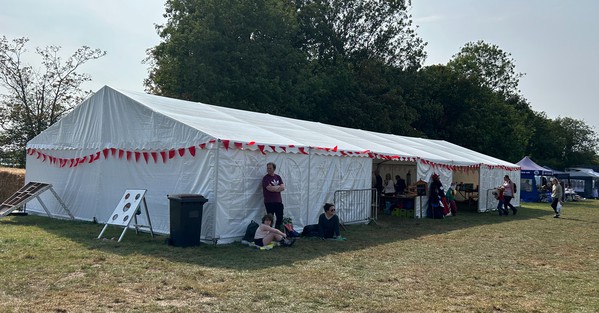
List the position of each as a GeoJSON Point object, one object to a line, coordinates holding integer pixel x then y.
{"type": "Point", "coordinates": [310, 181]}
{"type": "Point", "coordinates": [587, 191]}
{"type": "Point", "coordinates": [239, 189]}
{"type": "Point", "coordinates": [491, 178]}
{"type": "Point", "coordinates": [425, 173]}
{"type": "Point", "coordinates": [93, 190]}
{"type": "Point", "coordinates": [331, 173]}
{"type": "Point", "coordinates": [529, 191]}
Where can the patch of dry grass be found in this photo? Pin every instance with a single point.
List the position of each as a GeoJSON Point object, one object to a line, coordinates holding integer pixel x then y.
{"type": "Point", "coordinates": [475, 262]}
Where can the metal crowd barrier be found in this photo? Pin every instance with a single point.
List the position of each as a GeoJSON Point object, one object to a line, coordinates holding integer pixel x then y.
{"type": "Point", "coordinates": [356, 205]}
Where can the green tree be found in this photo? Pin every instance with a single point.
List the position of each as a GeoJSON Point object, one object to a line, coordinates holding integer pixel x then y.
{"type": "Point", "coordinates": [241, 54]}
{"type": "Point", "coordinates": [378, 30]}
{"type": "Point", "coordinates": [36, 98]}
{"type": "Point", "coordinates": [364, 95]}
{"type": "Point", "coordinates": [546, 142]}
{"type": "Point", "coordinates": [458, 109]}
{"type": "Point", "coordinates": [490, 65]}
{"type": "Point", "coordinates": [579, 141]}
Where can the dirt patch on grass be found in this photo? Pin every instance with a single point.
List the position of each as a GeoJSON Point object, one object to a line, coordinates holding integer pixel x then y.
{"type": "Point", "coordinates": [11, 180]}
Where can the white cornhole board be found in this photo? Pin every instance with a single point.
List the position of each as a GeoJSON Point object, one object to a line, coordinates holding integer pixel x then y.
{"type": "Point", "coordinates": [126, 211]}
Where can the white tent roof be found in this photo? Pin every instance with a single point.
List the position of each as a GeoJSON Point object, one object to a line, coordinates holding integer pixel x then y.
{"type": "Point", "coordinates": [144, 121]}
{"type": "Point", "coordinates": [582, 172]}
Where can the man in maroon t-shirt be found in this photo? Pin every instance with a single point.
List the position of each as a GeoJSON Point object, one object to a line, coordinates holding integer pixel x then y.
{"type": "Point", "coordinates": [272, 185]}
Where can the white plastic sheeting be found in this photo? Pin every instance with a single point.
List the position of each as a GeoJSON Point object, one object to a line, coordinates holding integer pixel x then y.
{"type": "Point", "coordinates": [143, 141]}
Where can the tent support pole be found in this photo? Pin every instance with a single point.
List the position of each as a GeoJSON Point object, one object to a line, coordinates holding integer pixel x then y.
{"type": "Point", "coordinates": [216, 174]}
{"type": "Point", "coordinates": [309, 180]}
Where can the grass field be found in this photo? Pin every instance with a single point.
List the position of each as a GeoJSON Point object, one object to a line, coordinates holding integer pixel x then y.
{"type": "Point", "coordinates": [474, 262]}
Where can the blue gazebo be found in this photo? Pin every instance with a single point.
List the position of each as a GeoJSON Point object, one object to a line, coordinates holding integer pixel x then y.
{"type": "Point", "coordinates": [531, 179]}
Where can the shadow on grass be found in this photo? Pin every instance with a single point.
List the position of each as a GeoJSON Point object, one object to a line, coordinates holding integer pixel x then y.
{"type": "Point", "coordinates": [388, 229]}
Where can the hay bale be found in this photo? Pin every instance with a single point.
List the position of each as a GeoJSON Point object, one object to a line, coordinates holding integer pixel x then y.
{"type": "Point", "coordinates": [11, 180]}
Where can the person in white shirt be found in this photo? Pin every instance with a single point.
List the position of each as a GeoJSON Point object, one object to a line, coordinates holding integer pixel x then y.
{"type": "Point", "coordinates": [509, 189]}
{"type": "Point", "coordinates": [265, 233]}
{"type": "Point", "coordinates": [556, 197]}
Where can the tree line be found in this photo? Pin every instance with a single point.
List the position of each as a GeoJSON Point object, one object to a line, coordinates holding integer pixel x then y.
{"type": "Point", "coordinates": [356, 64]}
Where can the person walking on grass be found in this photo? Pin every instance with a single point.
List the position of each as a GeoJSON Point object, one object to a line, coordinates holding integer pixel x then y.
{"type": "Point", "coordinates": [556, 197]}
{"type": "Point", "coordinates": [500, 199]}
{"type": "Point", "coordinates": [509, 192]}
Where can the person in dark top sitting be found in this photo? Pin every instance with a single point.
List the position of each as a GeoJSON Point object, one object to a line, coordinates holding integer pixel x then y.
{"type": "Point", "coordinates": [400, 185]}
{"type": "Point", "coordinates": [328, 222]}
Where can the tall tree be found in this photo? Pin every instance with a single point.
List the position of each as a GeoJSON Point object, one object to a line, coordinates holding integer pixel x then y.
{"type": "Point", "coordinates": [490, 65]}
{"type": "Point", "coordinates": [379, 30]}
{"type": "Point", "coordinates": [37, 98]}
{"type": "Point", "coordinates": [546, 142]}
{"type": "Point", "coordinates": [241, 54]}
{"type": "Point", "coordinates": [457, 108]}
{"type": "Point", "coordinates": [579, 141]}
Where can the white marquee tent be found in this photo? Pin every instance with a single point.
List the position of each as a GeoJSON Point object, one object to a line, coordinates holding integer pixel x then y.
{"type": "Point", "coordinates": [118, 140]}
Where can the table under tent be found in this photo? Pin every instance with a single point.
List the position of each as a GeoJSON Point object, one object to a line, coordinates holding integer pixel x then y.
{"type": "Point", "coordinates": [584, 181]}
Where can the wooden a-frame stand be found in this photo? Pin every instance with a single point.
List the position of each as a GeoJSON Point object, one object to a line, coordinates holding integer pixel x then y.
{"type": "Point", "coordinates": [30, 191]}
{"type": "Point", "coordinates": [127, 210]}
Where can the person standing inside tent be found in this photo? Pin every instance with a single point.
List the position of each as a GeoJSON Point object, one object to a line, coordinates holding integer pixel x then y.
{"type": "Point", "coordinates": [436, 198]}
{"type": "Point", "coordinates": [450, 195]}
{"type": "Point", "coordinates": [388, 192]}
{"type": "Point", "coordinates": [389, 189]}
{"type": "Point", "coordinates": [556, 196]}
{"type": "Point", "coordinates": [378, 181]}
{"type": "Point", "coordinates": [400, 185]}
{"type": "Point", "coordinates": [272, 186]}
{"type": "Point", "coordinates": [509, 190]}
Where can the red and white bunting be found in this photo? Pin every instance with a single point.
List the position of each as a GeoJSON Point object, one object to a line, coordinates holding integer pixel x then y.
{"type": "Point", "coordinates": [165, 155]}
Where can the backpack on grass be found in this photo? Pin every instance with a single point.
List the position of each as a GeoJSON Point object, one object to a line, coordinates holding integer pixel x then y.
{"type": "Point", "coordinates": [250, 232]}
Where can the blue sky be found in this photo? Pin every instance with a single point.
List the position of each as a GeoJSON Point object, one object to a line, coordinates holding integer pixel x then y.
{"type": "Point", "coordinates": [553, 42]}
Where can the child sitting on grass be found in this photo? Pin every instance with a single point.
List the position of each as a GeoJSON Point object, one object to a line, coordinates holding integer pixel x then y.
{"type": "Point", "coordinates": [265, 234]}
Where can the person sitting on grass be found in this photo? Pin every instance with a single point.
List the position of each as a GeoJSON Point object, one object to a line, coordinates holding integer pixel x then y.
{"type": "Point", "coordinates": [328, 223]}
{"type": "Point", "coordinates": [265, 233]}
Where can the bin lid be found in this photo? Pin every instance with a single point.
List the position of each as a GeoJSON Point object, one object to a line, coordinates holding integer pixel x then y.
{"type": "Point", "coordinates": [187, 197]}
